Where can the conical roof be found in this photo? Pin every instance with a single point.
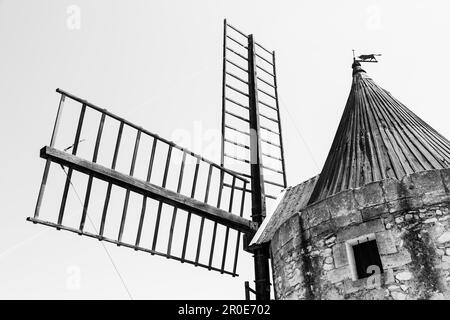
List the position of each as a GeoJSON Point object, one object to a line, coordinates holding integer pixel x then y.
{"type": "Point", "coordinates": [378, 138]}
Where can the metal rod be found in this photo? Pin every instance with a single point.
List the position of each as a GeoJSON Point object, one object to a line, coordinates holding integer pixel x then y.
{"type": "Point", "coordinates": [127, 194]}
{"type": "Point", "coordinates": [283, 165]}
{"type": "Point", "coordinates": [94, 159]}
{"type": "Point", "coordinates": [174, 213]}
{"type": "Point", "coordinates": [144, 198]}
{"type": "Point", "coordinates": [188, 220]}
{"type": "Point", "coordinates": [113, 166]}
{"type": "Point", "coordinates": [69, 173]}
{"type": "Point", "coordinates": [202, 221]}
{"type": "Point", "coordinates": [158, 216]}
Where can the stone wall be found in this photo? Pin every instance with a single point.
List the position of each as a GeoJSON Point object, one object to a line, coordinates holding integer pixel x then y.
{"type": "Point", "coordinates": [410, 220]}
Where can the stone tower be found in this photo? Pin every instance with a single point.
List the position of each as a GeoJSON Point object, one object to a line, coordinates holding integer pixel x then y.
{"type": "Point", "coordinates": [375, 224]}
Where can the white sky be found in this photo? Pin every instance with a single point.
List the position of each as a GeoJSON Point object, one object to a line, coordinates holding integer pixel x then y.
{"type": "Point", "coordinates": [158, 64]}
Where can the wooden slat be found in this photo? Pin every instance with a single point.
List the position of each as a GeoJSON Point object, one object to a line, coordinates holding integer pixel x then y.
{"type": "Point", "coordinates": [188, 220]}
{"type": "Point", "coordinates": [235, 41]}
{"type": "Point", "coordinates": [227, 231]}
{"type": "Point", "coordinates": [238, 239]}
{"type": "Point", "coordinates": [236, 90]}
{"type": "Point", "coordinates": [236, 77]}
{"type": "Point", "coordinates": [174, 213]}
{"type": "Point", "coordinates": [69, 173]}
{"type": "Point", "coordinates": [237, 53]}
{"type": "Point", "coordinates": [155, 192]}
{"type": "Point", "coordinates": [160, 205]}
{"type": "Point", "coordinates": [124, 244]}
{"type": "Point", "coordinates": [202, 222]}
{"type": "Point", "coordinates": [127, 194]}
{"type": "Point", "coordinates": [236, 116]}
{"type": "Point", "coordinates": [144, 198]}
{"type": "Point", "coordinates": [113, 166]}
{"type": "Point", "coordinates": [94, 159]}
{"type": "Point", "coordinates": [151, 134]}
{"type": "Point", "coordinates": [236, 65]}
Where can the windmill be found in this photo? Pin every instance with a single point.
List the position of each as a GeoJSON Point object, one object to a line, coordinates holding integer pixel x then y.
{"type": "Point", "coordinates": [177, 187]}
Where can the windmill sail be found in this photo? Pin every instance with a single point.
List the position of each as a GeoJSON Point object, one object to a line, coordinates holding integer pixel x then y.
{"type": "Point", "coordinates": [157, 197]}
{"type": "Point", "coordinates": [239, 52]}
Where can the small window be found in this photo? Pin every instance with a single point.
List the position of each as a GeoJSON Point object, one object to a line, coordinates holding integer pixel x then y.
{"type": "Point", "coordinates": [366, 254]}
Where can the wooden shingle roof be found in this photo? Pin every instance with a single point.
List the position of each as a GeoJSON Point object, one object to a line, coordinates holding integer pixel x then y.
{"type": "Point", "coordinates": [378, 138]}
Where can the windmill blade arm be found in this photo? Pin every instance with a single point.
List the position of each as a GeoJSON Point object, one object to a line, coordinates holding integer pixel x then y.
{"type": "Point", "coordinates": [148, 189]}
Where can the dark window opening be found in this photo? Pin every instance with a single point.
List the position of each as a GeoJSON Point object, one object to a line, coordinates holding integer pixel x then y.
{"type": "Point", "coordinates": [366, 254]}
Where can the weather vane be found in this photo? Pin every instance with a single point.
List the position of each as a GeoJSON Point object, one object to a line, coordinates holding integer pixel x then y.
{"type": "Point", "coordinates": [366, 57]}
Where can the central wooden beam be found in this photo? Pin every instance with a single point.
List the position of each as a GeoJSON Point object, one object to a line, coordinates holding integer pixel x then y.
{"type": "Point", "coordinates": [150, 190]}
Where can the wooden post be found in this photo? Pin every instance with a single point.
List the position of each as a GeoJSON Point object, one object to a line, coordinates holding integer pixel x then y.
{"type": "Point", "coordinates": [262, 276]}
{"type": "Point", "coordinates": [47, 163]}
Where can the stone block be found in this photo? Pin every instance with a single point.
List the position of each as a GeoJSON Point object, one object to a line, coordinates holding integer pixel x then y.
{"type": "Point", "coordinates": [445, 237]}
{"type": "Point", "coordinates": [430, 198]}
{"type": "Point", "coordinates": [369, 195]}
{"type": "Point", "coordinates": [405, 204]}
{"type": "Point", "coordinates": [352, 286]}
{"type": "Point", "coordinates": [393, 189]}
{"type": "Point", "coordinates": [427, 181]}
{"type": "Point", "coordinates": [316, 214]}
{"type": "Point", "coordinates": [385, 242]}
{"type": "Point", "coordinates": [339, 274]}
{"type": "Point", "coordinates": [374, 212]}
{"type": "Point", "coordinates": [395, 260]}
{"type": "Point", "coordinates": [342, 204]}
{"type": "Point", "coordinates": [404, 276]}
{"type": "Point", "coordinates": [322, 230]}
{"type": "Point", "coordinates": [355, 231]}
{"type": "Point", "coordinates": [445, 174]}
{"type": "Point", "coordinates": [340, 255]}
{"type": "Point", "coordinates": [288, 231]}
{"type": "Point", "coordinates": [349, 219]}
